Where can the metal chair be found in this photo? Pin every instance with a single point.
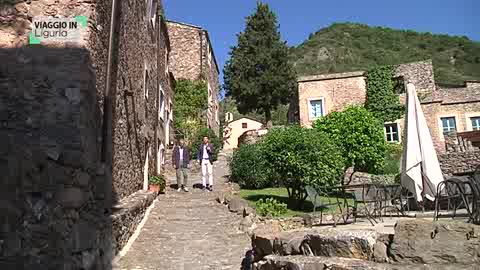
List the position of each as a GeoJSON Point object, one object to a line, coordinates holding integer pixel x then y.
{"type": "Point", "coordinates": [475, 185]}
{"type": "Point", "coordinates": [367, 195]}
{"type": "Point", "coordinates": [392, 199]}
{"type": "Point", "coordinates": [315, 196]}
{"type": "Point", "coordinates": [456, 192]}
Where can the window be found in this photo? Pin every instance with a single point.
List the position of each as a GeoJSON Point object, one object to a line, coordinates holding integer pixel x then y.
{"type": "Point", "coordinates": [475, 122]}
{"type": "Point", "coordinates": [316, 108]}
{"type": "Point", "coordinates": [145, 82]}
{"type": "Point", "coordinates": [448, 124]}
{"type": "Point", "coordinates": [399, 85]}
{"type": "Point", "coordinates": [244, 125]}
{"type": "Point", "coordinates": [392, 132]}
{"type": "Point", "coordinates": [152, 10]}
{"type": "Point", "coordinates": [161, 103]}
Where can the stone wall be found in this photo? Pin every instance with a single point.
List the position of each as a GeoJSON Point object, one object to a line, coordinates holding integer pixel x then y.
{"type": "Point", "coordinates": [460, 158]}
{"type": "Point", "coordinates": [127, 216]}
{"type": "Point", "coordinates": [338, 91]}
{"type": "Point", "coordinates": [185, 57]}
{"type": "Point", "coordinates": [140, 69]}
{"type": "Point", "coordinates": [71, 152]}
{"type": "Point", "coordinates": [358, 178]}
{"type": "Point", "coordinates": [54, 193]}
{"type": "Point", "coordinates": [192, 58]}
{"type": "Point", "coordinates": [420, 74]}
{"type": "Point", "coordinates": [212, 73]}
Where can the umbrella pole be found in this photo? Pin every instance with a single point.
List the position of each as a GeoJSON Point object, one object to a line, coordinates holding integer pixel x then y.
{"type": "Point", "coordinates": [423, 189]}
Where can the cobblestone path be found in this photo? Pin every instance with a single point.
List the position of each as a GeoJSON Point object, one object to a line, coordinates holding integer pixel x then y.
{"type": "Point", "coordinates": [189, 231]}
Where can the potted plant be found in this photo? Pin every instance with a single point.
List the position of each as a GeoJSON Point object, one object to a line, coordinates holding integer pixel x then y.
{"type": "Point", "coordinates": [156, 183]}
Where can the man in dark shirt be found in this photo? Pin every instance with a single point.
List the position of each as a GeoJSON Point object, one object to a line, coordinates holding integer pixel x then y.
{"type": "Point", "coordinates": [181, 162]}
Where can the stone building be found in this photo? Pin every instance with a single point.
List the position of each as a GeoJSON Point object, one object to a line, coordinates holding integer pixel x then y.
{"type": "Point", "coordinates": [192, 58]}
{"type": "Point", "coordinates": [446, 108]}
{"type": "Point", "coordinates": [83, 126]}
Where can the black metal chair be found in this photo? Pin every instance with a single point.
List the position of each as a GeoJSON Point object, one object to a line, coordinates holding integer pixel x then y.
{"type": "Point", "coordinates": [392, 199]}
{"type": "Point", "coordinates": [475, 185]}
{"type": "Point", "coordinates": [456, 192]}
{"type": "Point", "coordinates": [315, 196]}
{"type": "Point", "coordinates": [368, 195]}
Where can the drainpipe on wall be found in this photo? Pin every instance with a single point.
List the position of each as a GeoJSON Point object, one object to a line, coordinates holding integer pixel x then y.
{"type": "Point", "coordinates": [107, 113]}
{"type": "Point", "coordinates": [107, 140]}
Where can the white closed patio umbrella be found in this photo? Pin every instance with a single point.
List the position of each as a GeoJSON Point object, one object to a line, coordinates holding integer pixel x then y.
{"type": "Point", "coordinates": [421, 171]}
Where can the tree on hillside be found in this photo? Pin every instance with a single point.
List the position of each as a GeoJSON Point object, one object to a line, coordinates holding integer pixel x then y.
{"type": "Point", "coordinates": [258, 74]}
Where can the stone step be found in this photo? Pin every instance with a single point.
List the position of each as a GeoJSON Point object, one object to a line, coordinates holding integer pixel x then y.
{"type": "Point", "coordinates": [357, 244]}
{"type": "Point", "coordinates": [273, 262]}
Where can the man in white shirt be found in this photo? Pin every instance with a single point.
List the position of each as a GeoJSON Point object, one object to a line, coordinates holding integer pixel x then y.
{"type": "Point", "coordinates": [181, 161]}
{"type": "Point", "coordinates": [205, 158]}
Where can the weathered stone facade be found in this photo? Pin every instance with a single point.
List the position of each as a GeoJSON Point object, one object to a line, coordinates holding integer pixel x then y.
{"type": "Point", "coordinates": [192, 58]}
{"type": "Point", "coordinates": [72, 149]}
{"type": "Point", "coordinates": [342, 89]}
{"type": "Point", "coordinates": [461, 156]}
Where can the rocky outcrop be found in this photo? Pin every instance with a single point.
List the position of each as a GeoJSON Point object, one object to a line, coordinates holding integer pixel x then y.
{"type": "Point", "coordinates": [445, 242]}
{"type": "Point", "coordinates": [416, 244]}
{"type": "Point", "coordinates": [323, 263]}
{"type": "Point", "coordinates": [327, 243]}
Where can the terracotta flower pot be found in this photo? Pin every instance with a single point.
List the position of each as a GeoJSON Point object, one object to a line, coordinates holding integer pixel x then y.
{"type": "Point", "coordinates": [154, 188]}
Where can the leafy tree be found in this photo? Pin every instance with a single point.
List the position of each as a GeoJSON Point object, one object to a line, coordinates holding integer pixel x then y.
{"type": "Point", "coordinates": [381, 98]}
{"type": "Point", "coordinates": [360, 135]}
{"type": "Point", "coordinates": [248, 167]}
{"type": "Point", "coordinates": [298, 157]}
{"type": "Point", "coordinates": [258, 75]}
{"type": "Point", "coordinates": [206, 132]}
{"type": "Point", "coordinates": [190, 99]}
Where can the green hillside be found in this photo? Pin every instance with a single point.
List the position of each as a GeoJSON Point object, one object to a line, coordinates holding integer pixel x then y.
{"type": "Point", "coordinates": [349, 47]}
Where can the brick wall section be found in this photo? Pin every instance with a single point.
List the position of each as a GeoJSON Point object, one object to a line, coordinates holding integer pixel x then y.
{"type": "Point", "coordinates": [338, 91]}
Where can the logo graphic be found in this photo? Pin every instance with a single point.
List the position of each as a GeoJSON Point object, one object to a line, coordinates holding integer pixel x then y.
{"type": "Point", "coordinates": [49, 29]}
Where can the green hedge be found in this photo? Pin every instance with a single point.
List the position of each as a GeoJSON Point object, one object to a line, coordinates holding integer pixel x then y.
{"type": "Point", "coordinates": [248, 167]}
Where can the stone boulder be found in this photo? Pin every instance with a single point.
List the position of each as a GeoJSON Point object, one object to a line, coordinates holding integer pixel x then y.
{"type": "Point", "coordinates": [273, 262]}
{"type": "Point", "coordinates": [327, 243]}
{"type": "Point", "coordinates": [443, 242]}
{"type": "Point", "coordinates": [237, 205]}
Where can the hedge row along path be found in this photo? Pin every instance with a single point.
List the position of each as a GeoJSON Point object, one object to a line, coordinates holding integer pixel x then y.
{"type": "Point", "coordinates": [189, 231]}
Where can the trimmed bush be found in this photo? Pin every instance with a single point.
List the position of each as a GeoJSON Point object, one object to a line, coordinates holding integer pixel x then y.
{"type": "Point", "coordinates": [299, 157]}
{"type": "Point", "coordinates": [359, 134]}
{"type": "Point", "coordinates": [248, 167]}
{"type": "Point", "coordinates": [217, 142]}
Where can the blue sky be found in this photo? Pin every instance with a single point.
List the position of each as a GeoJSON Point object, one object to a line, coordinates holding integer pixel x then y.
{"type": "Point", "coordinates": [225, 18]}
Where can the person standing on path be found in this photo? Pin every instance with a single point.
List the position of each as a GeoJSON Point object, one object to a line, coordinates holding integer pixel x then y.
{"type": "Point", "coordinates": [205, 158]}
{"type": "Point", "coordinates": [181, 161]}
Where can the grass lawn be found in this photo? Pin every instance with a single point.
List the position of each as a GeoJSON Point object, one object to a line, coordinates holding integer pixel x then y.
{"type": "Point", "coordinates": [281, 195]}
